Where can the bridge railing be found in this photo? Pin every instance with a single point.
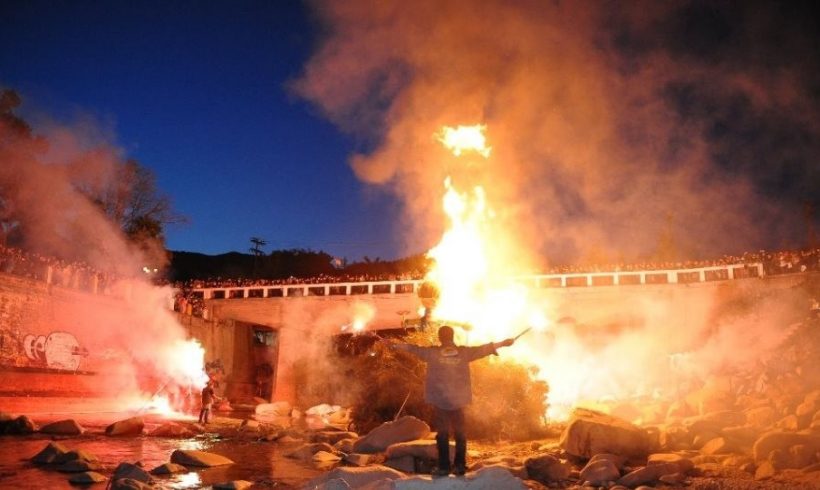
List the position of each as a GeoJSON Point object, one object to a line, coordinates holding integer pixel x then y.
{"type": "Point", "coordinates": [580, 279]}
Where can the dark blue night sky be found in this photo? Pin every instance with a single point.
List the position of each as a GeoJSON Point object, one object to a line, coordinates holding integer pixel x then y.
{"type": "Point", "coordinates": [198, 93]}
{"type": "Point", "coordinates": [616, 125]}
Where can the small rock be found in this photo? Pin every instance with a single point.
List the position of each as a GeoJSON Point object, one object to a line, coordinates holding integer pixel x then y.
{"type": "Point", "coordinates": [325, 457]}
{"type": "Point", "coordinates": [345, 445]}
{"type": "Point", "coordinates": [87, 478]}
{"type": "Point", "coordinates": [171, 429]}
{"type": "Point", "coordinates": [358, 459]}
{"type": "Point", "coordinates": [49, 453]}
{"type": "Point", "coordinates": [718, 445]}
{"type": "Point", "coordinates": [169, 469]}
{"type": "Point", "coordinates": [648, 474]}
{"type": "Point", "coordinates": [765, 471]}
{"type": "Point", "coordinates": [76, 455]}
{"type": "Point", "coordinates": [599, 472]}
{"type": "Point", "coordinates": [198, 458]}
{"type": "Point", "coordinates": [128, 471]}
{"type": "Point", "coordinates": [618, 461]}
{"type": "Point", "coordinates": [129, 427]}
{"type": "Point", "coordinates": [233, 485]}
{"type": "Point", "coordinates": [130, 484]}
{"type": "Point", "coordinates": [68, 427]}
{"type": "Point", "coordinates": [332, 437]}
{"type": "Point", "coordinates": [546, 468]}
{"type": "Point", "coordinates": [305, 452]}
{"type": "Point", "coordinates": [79, 466]}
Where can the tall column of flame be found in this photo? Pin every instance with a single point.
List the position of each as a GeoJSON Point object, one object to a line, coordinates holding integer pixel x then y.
{"type": "Point", "coordinates": [469, 271]}
{"type": "Point", "coordinates": [466, 264]}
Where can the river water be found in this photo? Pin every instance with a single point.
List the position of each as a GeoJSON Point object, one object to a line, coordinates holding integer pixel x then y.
{"type": "Point", "coordinates": [261, 462]}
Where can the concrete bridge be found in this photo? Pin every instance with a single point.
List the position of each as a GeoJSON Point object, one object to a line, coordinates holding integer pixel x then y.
{"type": "Point", "coordinates": [580, 279]}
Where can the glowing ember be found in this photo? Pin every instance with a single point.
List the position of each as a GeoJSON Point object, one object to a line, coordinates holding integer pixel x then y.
{"type": "Point", "coordinates": [461, 139]}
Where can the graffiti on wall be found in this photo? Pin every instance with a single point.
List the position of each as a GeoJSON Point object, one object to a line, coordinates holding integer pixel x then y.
{"type": "Point", "coordinates": [22, 347]}
{"type": "Point", "coordinates": [57, 350]}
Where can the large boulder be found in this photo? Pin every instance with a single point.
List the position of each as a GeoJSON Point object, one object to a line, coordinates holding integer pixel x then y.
{"type": "Point", "coordinates": [20, 425]}
{"type": "Point", "coordinates": [422, 448]}
{"type": "Point", "coordinates": [389, 433]}
{"type": "Point", "coordinates": [590, 432]}
{"type": "Point", "coordinates": [49, 453]}
{"type": "Point", "coordinates": [547, 469]}
{"type": "Point", "coordinates": [68, 427]}
{"type": "Point", "coordinates": [600, 472]}
{"type": "Point", "coordinates": [198, 458]}
{"type": "Point", "coordinates": [491, 478]}
{"type": "Point", "coordinates": [129, 427]}
{"type": "Point", "coordinates": [648, 474]}
{"type": "Point", "coordinates": [774, 440]}
{"type": "Point", "coordinates": [356, 477]}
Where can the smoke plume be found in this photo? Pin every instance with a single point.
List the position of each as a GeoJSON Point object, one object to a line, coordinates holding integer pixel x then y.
{"type": "Point", "coordinates": [614, 126]}
{"type": "Point", "coordinates": [48, 177]}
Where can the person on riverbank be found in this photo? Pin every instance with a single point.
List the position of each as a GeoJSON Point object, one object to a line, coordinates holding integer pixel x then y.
{"type": "Point", "coordinates": [208, 399]}
{"type": "Point", "coordinates": [448, 389]}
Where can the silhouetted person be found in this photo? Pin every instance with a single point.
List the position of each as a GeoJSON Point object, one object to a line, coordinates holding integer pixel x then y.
{"type": "Point", "coordinates": [208, 398]}
{"type": "Point", "coordinates": [448, 390]}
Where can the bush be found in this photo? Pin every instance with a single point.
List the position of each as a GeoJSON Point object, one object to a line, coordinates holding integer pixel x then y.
{"type": "Point", "coordinates": [507, 402]}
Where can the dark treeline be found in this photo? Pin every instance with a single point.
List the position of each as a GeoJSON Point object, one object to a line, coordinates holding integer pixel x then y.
{"type": "Point", "coordinates": [282, 264]}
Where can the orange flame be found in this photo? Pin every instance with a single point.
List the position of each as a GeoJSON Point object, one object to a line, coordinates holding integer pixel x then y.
{"type": "Point", "coordinates": [462, 139]}
{"type": "Point", "coordinates": [471, 272]}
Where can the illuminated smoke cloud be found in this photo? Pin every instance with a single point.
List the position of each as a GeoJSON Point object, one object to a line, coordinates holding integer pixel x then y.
{"type": "Point", "coordinates": [612, 124]}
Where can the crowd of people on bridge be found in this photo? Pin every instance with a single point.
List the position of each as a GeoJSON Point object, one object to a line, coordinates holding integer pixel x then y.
{"type": "Point", "coordinates": [79, 275]}
{"type": "Point", "coordinates": [782, 262]}
{"type": "Point", "coordinates": [52, 270]}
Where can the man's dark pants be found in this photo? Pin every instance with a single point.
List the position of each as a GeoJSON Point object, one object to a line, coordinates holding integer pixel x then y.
{"type": "Point", "coordinates": [443, 420]}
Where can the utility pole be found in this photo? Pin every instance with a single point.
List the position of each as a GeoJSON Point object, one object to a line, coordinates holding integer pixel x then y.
{"type": "Point", "coordinates": [257, 252]}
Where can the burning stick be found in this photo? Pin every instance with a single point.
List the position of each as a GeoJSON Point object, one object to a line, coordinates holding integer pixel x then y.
{"type": "Point", "coordinates": [522, 333]}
